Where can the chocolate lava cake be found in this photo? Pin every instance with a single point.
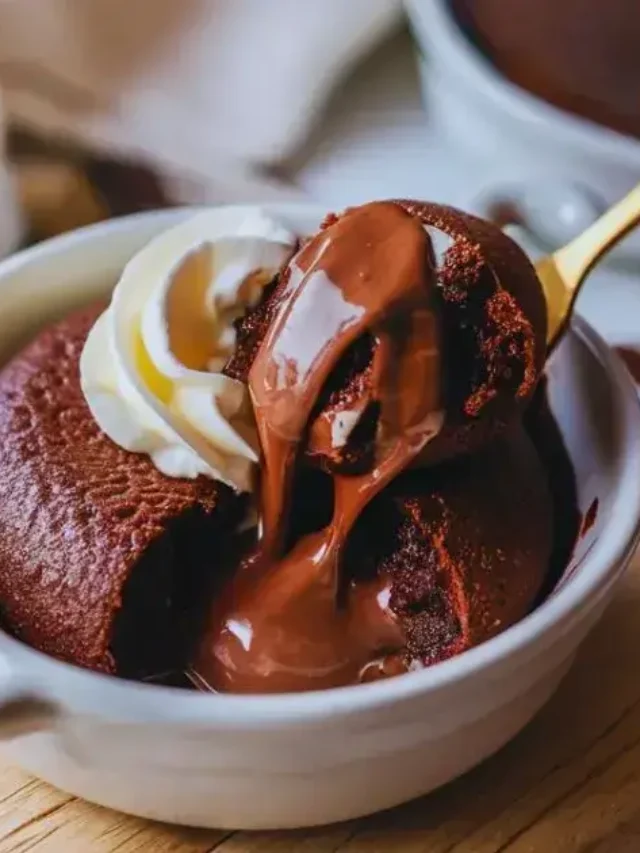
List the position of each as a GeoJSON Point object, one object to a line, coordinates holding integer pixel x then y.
{"type": "Point", "coordinates": [108, 564]}
{"type": "Point", "coordinates": [100, 554]}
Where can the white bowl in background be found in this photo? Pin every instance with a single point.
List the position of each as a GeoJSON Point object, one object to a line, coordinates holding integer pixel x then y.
{"type": "Point", "coordinates": [296, 760]}
{"type": "Point", "coordinates": [558, 171]}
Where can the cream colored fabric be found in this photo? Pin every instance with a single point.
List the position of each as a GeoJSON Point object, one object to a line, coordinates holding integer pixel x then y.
{"type": "Point", "coordinates": [211, 91]}
{"type": "Point", "coordinates": [11, 225]}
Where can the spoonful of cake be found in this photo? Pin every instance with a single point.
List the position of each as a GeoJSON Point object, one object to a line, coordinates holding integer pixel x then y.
{"type": "Point", "coordinates": [562, 273]}
{"type": "Point", "coordinates": [401, 334]}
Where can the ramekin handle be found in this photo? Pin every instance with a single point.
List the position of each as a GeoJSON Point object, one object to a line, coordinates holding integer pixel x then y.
{"type": "Point", "coordinates": [22, 709]}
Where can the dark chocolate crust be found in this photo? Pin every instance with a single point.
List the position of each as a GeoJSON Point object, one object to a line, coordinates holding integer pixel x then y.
{"type": "Point", "coordinates": [80, 518]}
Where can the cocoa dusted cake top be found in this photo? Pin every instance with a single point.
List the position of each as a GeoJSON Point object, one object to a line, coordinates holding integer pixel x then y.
{"type": "Point", "coordinates": [365, 385]}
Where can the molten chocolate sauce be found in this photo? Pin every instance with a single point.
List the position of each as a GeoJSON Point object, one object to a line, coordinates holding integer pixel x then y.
{"type": "Point", "coordinates": [282, 625]}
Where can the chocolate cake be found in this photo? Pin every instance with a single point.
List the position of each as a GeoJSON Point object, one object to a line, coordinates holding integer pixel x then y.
{"type": "Point", "coordinates": [465, 547]}
{"type": "Point", "coordinates": [417, 331]}
{"type": "Point", "coordinates": [100, 554]}
{"type": "Point", "coordinates": [462, 550]}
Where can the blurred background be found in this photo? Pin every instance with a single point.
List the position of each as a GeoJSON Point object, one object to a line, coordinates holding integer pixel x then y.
{"type": "Point", "coordinates": [113, 106]}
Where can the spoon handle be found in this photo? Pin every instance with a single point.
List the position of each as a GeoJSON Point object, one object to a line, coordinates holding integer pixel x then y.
{"type": "Point", "coordinates": [575, 260]}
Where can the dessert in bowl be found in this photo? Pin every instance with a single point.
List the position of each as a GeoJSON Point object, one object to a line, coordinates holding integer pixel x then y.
{"type": "Point", "coordinates": [119, 519]}
{"type": "Point", "coordinates": [553, 170]}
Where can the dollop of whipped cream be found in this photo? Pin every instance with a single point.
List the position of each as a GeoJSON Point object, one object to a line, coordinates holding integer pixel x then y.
{"type": "Point", "coordinates": [151, 367]}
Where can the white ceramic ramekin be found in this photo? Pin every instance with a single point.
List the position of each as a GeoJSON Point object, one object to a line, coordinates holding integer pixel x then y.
{"type": "Point", "coordinates": [558, 170]}
{"type": "Point", "coordinates": [292, 760]}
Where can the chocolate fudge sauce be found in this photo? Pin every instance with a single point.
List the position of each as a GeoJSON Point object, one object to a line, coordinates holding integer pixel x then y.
{"type": "Point", "coordinates": [283, 623]}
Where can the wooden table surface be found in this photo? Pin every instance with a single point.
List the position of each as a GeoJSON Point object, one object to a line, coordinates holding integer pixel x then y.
{"type": "Point", "coordinates": [570, 782]}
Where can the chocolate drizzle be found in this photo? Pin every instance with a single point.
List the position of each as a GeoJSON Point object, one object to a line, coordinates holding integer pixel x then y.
{"type": "Point", "coordinates": [280, 626]}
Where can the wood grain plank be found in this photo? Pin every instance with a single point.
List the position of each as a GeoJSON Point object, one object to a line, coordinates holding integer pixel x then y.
{"type": "Point", "coordinates": [605, 807]}
{"type": "Point", "coordinates": [78, 827]}
{"type": "Point", "coordinates": [304, 841]}
{"type": "Point", "coordinates": [26, 807]}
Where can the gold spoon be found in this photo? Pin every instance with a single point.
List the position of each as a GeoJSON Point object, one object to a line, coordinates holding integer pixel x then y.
{"type": "Point", "coordinates": [562, 273]}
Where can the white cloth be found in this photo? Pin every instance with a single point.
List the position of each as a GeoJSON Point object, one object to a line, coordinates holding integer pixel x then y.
{"type": "Point", "coordinates": [11, 224]}
{"type": "Point", "coordinates": [209, 91]}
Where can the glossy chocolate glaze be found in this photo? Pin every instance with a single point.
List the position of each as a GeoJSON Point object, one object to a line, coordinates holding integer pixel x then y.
{"type": "Point", "coordinates": [494, 344]}
{"type": "Point", "coordinates": [279, 625]}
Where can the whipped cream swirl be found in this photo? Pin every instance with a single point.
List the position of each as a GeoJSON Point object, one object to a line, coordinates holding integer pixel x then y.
{"type": "Point", "coordinates": [151, 367]}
